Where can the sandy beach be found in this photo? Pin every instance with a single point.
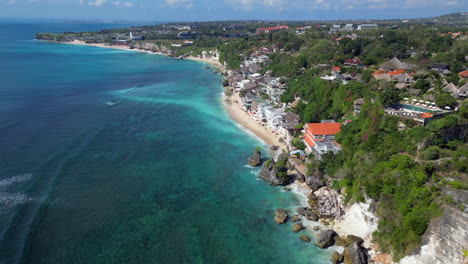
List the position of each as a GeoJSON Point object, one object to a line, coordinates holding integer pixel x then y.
{"type": "Point", "coordinates": [242, 118]}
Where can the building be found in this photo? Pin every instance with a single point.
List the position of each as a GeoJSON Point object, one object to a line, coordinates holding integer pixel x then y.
{"type": "Point", "coordinates": [348, 27]}
{"type": "Point", "coordinates": [357, 105]}
{"type": "Point", "coordinates": [271, 29]}
{"type": "Point", "coordinates": [354, 62]}
{"type": "Point", "coordinates": [463, 74]}
{"type": "Point", "coordinates": [423, 118]}
{"type": "Point", "coordinates": [441, 68]}
{"type": "Point", "coordinates": [319, 138]}
{"type": "Point", "coordinates": [366, 26]}
{"type": "Point", "coordinates": [393, 64]}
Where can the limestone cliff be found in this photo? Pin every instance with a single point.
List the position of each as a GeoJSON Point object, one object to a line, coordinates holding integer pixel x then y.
{"type": "Point", "coordinates": [444, 240]}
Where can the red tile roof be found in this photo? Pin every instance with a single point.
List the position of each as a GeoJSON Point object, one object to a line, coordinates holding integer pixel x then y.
{"type": "Point", "coordinates": [425, 115]}
{"type": "Point", "coordinates": [378, 72]}
{"type": "Point", "coordinates": [336, 68]}
{"type": "Point", "coordinates": [463, 74]}
{"type": "Point", "coordinates": [323, 128]}
{"type": "Point", "coordinates": [396, 72]}
{"type": "Point", "coordinates": [355, 61]}
{"type": "Point", "coordinates": [309, 142]}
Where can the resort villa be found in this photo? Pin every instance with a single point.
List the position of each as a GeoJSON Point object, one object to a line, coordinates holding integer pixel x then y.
{"type": "Point", "coordinates": [319, 138]}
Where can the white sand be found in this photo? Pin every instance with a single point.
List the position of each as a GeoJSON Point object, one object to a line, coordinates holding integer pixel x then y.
{"type": "Point", "coordinates": [245, 120]}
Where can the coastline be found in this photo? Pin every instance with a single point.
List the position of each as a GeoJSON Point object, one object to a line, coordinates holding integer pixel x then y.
{"type": "Point", "coordinates": [232, 107]}
{"type": "Point", "coordinates": [230, 104]}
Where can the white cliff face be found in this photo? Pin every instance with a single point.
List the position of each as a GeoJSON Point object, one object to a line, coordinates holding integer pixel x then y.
{"type": "Point", "coordinates": [358, 220]}
{"type": "Point", "coordinates": [444, 240]}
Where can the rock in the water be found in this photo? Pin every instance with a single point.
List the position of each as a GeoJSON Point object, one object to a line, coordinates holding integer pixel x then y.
{"type": "Point", "coordinates": [297, 227]}
{"type": "Point", "coordinates": [314, 181]}
{"type": "Point", "coordinates": [351, 239]}
{"type": "Point", "coordinates": [307, 213]}
{"type": "Point", "coordinates": [276, 173]}
{"type": "Point", "coordinates": [305, 238]}
{"type": "Point", "coordinates": [295, 218]}
{"type": "Point", "coordinates": [340, 241]}
{"type": "Point", "coordinates": [280, 216]}
{"type": "Point", "coordinates": [255, 159]}
{"type": "Point", "coordinates": [316, 228]}
{"type": "Point", "coordinates": [355, 254]}
{"type": "Point", "coordinates": [337, 258]}
{"type": "Point", "coordinates": [325, 238]}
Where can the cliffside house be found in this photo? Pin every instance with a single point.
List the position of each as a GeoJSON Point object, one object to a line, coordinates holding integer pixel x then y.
{"type": "Point", "coordinates": [319, 138]}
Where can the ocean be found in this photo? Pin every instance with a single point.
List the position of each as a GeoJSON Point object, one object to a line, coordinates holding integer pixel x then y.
{"type": "Point", "coordinates": [112, 156]}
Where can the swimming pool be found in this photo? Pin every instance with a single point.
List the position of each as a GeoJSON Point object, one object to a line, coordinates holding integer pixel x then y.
{"type": "Point", "coordinates": [419, 109]}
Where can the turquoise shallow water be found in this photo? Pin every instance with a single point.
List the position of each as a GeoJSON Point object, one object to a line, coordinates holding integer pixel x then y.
{"type": "Point", "coordinates": [112, 156]}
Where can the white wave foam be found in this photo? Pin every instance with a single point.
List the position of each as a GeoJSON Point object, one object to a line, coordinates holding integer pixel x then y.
{"type": "Point", "coordinates": [10, 199]}
{"type": "Point", "coordinates": [15, 179]}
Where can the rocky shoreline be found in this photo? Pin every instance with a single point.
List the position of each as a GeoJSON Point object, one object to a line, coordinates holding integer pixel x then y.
{"type": "Point", "coordinates": [322, 208]}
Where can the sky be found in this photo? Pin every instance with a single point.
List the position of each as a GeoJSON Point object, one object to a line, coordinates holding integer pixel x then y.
{"type": "Point", "coordinates": [206, 10]}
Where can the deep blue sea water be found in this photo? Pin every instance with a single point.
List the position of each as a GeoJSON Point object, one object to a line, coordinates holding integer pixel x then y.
{"type": "Point", "coordinates": [110, 156]}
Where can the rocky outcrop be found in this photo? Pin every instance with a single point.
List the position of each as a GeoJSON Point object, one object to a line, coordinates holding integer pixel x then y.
{"type": "Point", "coordinates": [328, 203]}
{"type": "Point", "coordinates": [295, 218]}
{"type": "Point", "coordinates": [307, 213]}
{"type": "Point", "coordinates": [355, 254]}
{"type": "Point", "coordinates": [255, 159]}
{"type": "Point", "coordinates": [341, 241]}
{"type": "Point", "coordinates": [300, 177]}
{"type": "Point", "coordinates": [275, 173]}
{"type": "Point", "coordinates": [314, 181]}
{"type": "Point", "coordinates": [336, 258]}
{"type": "Point", "coordinates": [348, 240]}
{"type": "Point", "coordinates": [297, 227]}
{"type": "Point", "coordinates": [444, 240]}
{"type": "Point", "coordinates": [280, 216]}
{"type": "Point", "coordinates": [325, 238]}
{"type": "Point", "coordinates": [305, 238]}
{"type": "Point", "coordinates": [351, 239]}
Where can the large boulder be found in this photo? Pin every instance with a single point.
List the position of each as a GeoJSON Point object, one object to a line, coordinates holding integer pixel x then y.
{"type": "Point", "coordinates": [280, 216]}
{"type": "Point", "coordinates": [351, 239]}
{"type": "Point", "coordinates": [355, 254]}
{"type": "Point", "coordinates": [314, 181]}
{"type": "Point", "coordinates": [297, 227]}
{"type": "Point", "coordinates": [305, 238]}
{"type": "Point", "coordinates": [341, 241]}
{"type": "Point", "coordinates": [307, 213]}
{"type": "Point", "coordinates": [275, 173]}
{"type": "Point", "coordinates": [337, 258]}
{"type": "Point", "coordinates": [255, 159]}
{"type": "Point", "coordinates": [325, 238]}
{"type": "Point", "coordinates": [295, 218]}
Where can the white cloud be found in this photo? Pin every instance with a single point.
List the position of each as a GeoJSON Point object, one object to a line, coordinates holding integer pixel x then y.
{"type": "Point", "coordinates": [128, 4]}
{"type": "Point", "coordinates": [97, 3]}
{"type": "Point", "coordinates": [179, 3]}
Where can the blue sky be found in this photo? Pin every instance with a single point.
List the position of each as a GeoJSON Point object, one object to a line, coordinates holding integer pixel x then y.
{"type": "Point", "coordinates": [198, 10]}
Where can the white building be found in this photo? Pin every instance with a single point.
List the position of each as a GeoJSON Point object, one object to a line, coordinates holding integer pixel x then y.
{"type": "Point", "coordinates": [366, 26]}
